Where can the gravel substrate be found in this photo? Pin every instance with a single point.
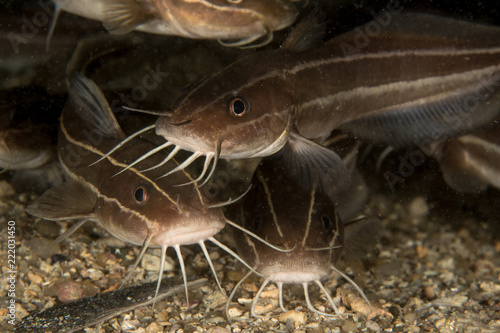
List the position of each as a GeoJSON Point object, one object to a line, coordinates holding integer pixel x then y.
{"type": "Point", "coordinates": [434, 269]}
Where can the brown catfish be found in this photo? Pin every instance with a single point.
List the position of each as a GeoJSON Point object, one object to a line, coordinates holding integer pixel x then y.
{"type": "Point", "coordinates": [470, 163]}
{"type": "Point", "coordinates": [410, 81]}
{"type": "Point", "coordinates": [135, 207]}
{"type": "Point", "coordinates": [26, 147]}
{"type": "Point", "coordinates": [244, 21]}
{"type": "Point", "coordinates": [285, 214]}
{"type": "Point", "coordinates": [25, 141]}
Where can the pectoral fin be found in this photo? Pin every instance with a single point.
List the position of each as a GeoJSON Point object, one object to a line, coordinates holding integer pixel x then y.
{"type": "Point", "coordinates": [66, 201]}
{"type": "Point", "coordinates": [360, 236]}
{"type": "Point", "coordinates": [309, 163]}
{"type": "Point", "coordinates": [123, 16]}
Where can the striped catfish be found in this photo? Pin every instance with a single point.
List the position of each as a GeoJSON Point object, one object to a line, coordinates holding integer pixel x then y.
{"type": "Point", "coordinates": [133, 206]}
{"type": "Point", "coordinates": [26, 147]}
{"type": "Point", "coordinates": [408, 82]}
{"type": "Point", "coordinates": [470, 163]}
{"type": "Point", "coordinates": [285, 214]}
{"type": "Point", "coordinates": [26, 142]}
{"type": "Point", "coordinates": [238, 23]}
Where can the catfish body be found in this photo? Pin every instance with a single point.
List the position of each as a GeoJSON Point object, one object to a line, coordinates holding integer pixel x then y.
{"type": "Point", "coordinates": [470, 163]}
{"type": "Point", "coordinates": [26, 147]}
{"type": "Point", "coordinates": [285, 214]}
{"type": "Point", "coordinates": [26, 138]}
{"type": "Point", "coordinates": [244, 21]}
{"type": "Point", "coordinates": [410, 83]}
{"type": "Point", "coordinates": [133, 206]}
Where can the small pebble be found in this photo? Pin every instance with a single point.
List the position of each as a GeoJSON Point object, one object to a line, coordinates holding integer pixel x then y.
{"type": "Point", "coordinates": [357, 304]}
{"type": "Point", "coordinates": [294, 316]}
{"type": "Point", "coordinates": [6, 189]}
{"type": "Point", "coordinates": [154, 328]}
{"type": "Point", "coordinates": [483, 267]}
{"type": "Point", "coordinates": [373, 326]}
{"type": "Point", "coordinates": [410, 318]}
{"type": "Point", "coordinates": [421, 251]}
{"type": "Point", "coordinates": [218, 330]}
{"type": "Point", "coordinates": [455, 301]}
{"type": "Point", "coordinates": [264, 307]}
{"type": "Point", "coordinates": [215, 320]}
{"type": "Point", "coordinates": [214, 300]}
{"type": "Point", "coordinates": [430, 292]}
{"type": "Point", "coordinates": [35, 278]}
{"type": "Point", "coordinates": [272, 293]}
{"type": "Point", "coordinates": [244, 301]}
{"type": "Point", "coordinates": [490, 286]}
{"type": "Point", "coordinates": [152, 263]}
{"type": "Point", "coordinates": [69, 292]}
{"type": "Point", "coordinates": [234, 311]}
{"type": "Point", "coordinates": [418, 208]}
{"type": "Point", "coordinates": [72, 291]}
{"type": "Point", "coordinates": [446, 264]}
{"type": "Point", "coordinates": [350, 326]}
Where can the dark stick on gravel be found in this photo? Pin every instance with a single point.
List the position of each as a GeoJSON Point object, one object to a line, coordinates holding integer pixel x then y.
{"type": "Point", "coordinates": [89, 311]}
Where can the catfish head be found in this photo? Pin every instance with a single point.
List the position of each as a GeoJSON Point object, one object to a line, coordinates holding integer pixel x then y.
{"type": "Point", "coordinates": [228, 114]}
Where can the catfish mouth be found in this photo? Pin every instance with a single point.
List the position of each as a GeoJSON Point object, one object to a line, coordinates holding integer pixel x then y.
{"type": "Point", "coordinates": [296, 277]}
{"type": "Point", "coordinates": [187, 235]}
{"type": "Point", "coordinates": [181, 123]}
{"type": "Point", "coordinates": [292, 273]}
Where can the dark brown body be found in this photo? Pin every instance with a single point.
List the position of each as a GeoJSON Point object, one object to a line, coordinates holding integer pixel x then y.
{"type": "Point", "coordinates": [411, 81]}
{"type": "Point", "coordinates": [207, 19]}
{"type": "Point", "coordinates": [303, 221]}
{"type": "Point", "coordinates": [169, 213]}
{"type": "Point", "coordinates": [133, 206]}
{"type": "Point", "coordinates": [470, 163]}
{"type": "Point", "coordinates": [284, 214]}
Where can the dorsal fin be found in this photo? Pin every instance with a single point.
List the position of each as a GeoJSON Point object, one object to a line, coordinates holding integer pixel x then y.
{"type": "Point", "coordinates": [91, 106]}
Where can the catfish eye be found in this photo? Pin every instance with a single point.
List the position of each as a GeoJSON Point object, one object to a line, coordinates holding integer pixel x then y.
{"type": "Point", "coordinates": [326, 222]}
{"type": "Point", "coordinates": [140, 195]}
{"type": "Point", "coordinates": [238, 106]}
